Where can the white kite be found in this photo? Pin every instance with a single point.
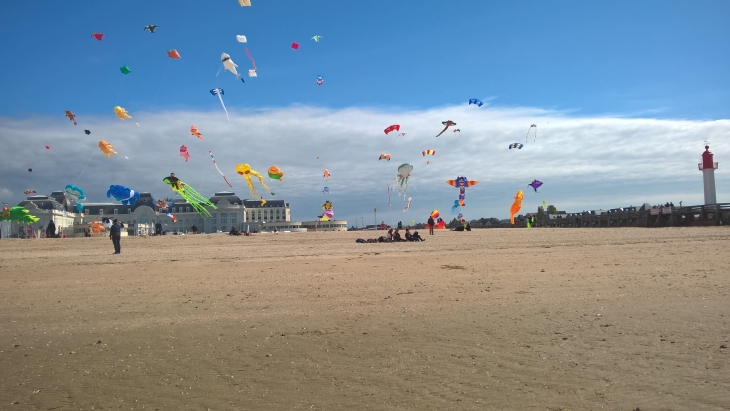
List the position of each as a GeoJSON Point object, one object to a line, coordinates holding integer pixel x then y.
{"type": "Point", "coordinates": [228, 64]}
{"type": "Point", "coordinates": [244, 3]}
{"type": "Point", "coordinates": [241, 39]}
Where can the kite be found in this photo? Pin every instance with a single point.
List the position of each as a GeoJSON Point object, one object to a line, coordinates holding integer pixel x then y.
{"type": "Point", "coordinates": [401, 179]}
{"type": "Point", "coordinates": [328, 212]}
{"type": "Point", "coordinates": [326, 175]}
{"type": "Point", "coordinates": [435, 214]}
{"type": "Point", "coordinates": [456, 208]}
{"type": "Point", "coordinates": [408, 205]}
{"type": "Point", "coordinates": [87, 132]}
{"type": "Point", "coordinates": [97, 36]}
{"type": "Point", "coordinates": [106, 148]}
{"type": "Point", "coordinates": [544, 204]}
{"type": "Point", "coordinates": [79, 207]}
{"type": "Point", "coordinates": [461, 183]}
{"type": "Point", "coordinates": [394, 127]}
{"type": "Point", "coordinates": [17, 213]}
{"type": "Point", "coordinates": [384, 157]}
{"type": "Point", "coordinates": [251, 73]}
{"type": "Point", "coordinates": [475, 101]}
{"type": "Point", "coordinates": [228, 64]}
{"type": "Point", "coordinates": [447, 124]}
{"type": "Point", "coordinates": [96, 228]}
{"type": "Point", "coordinates": [48, 147]}
{"type": "Point", "coordinates": [219, 92]}
{"type": "Point", "coordinates": [244, 3]}
{"type": "Point", "coordinates": [28, 192]}
{"type": "Point", "coordinates": [429, 152]}
{"type": "Point", "coordinates": [317, 38]}
{"type": "Point", "coordinates": [320, 80]}
{"type": "Point", "coordinates": [275, 173]}
{"type": "Point", "coordinates": [71, 116]}
{"type": "Point", "coordinates": [219, 170]}
{"type": "Point", "coordinates": [195, 199]}
{"type": "Point", "coordinates": [516, 145]}
{"type": "Point", "coordinates": [535, 184]}
{"type": "Point", "coordinates": [516, 206]}
{"type": "Point", "coordinates": [456, 130]}
{"type": "Point", "coordinates": [125, 70]}
{"type": "Point", "coordinates": [121, 113]}
{"type": "Point", "coordinates": [326, 190]}
{"type": "Point", "coordinates": [184, 152]}
{"type": "Point", "coordinates": [124, 194]}
{"type": "Point", "coordinates": [246, 171]}
{"type": "Point", "coordinates": [173, 54]}
{"type": "Point", "coordinates": [75, 192]}
{"type": "Point", "coordinates": [151, 28]}
{"type": "Point", "coordinates": [30, 170]}
{"type": "Point", "coordinates": [401, 134]}
{"type": "Point", "coordinates": [528, 134]}
{"type": "Point", "coordinates": [194, 130]}
{"type": "Point", "coordinates": [241, 39]}
{"type": "Point", "coordinates": [295, 45]}
{"type": "Point", "coordinates": [162, 206]}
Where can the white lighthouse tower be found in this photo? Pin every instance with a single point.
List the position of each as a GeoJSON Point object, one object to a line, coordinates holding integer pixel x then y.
{"type": "Point", "coordinates": [708, 167]}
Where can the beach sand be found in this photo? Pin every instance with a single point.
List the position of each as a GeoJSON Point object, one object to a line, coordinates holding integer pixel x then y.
{"type": "Point", "coordinates": [544, 319]}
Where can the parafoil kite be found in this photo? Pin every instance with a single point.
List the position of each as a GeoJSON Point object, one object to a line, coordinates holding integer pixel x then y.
{"type": "Point", "coordinates": [195, 199]}
{"type": "Point", "coordinates": [401, 179]}
{"type": "Point", "coordinates": [328, 212]}
{"type": "Point", "coordinates": [320, 80]}
{"type": "Point", "coordinates": [275, 173]}
{"type": "Point", "coordinates": [326, 174]}
{"type": "Point", "coordinates": [429, 152]}
{"type": "Point", "coordinates": [173, 54]}
{"type": "Point", "coordinates": [475, 101]}
{"type": "Point", "coordinates": [30, 170]}
{"type": "Point", "coordinates": [384, 157]}
{"type": "Point", "coordinates": [461, 183]}
{"type": "Point", "coordinates": [75, 192]}
{"type": "Point", "coordinates": [184, 152]}
{"type": "Point", "coordinates": [106, 148]}
{"type": "Point", "coordinates": [97, 36]}
{"type": "Point", "coordinates": [71, 116]}
{"type": "Point", "coordinates": [516, 145]}
{"type": "Point", "coordinates": [326, 190]}
{"type": "Point", "coordinates": [219, 170]}
{"type": "Point", "coordinates": [295, 45]}
{"type": "Point", "coordinates": [124, 194]}
{"type": "Point", "coordinates": [121, 113]}
{"type": "Point", "coordinates": [246, 171]}
{"type": "Point", "coordinates": [28, 192]}
{"type": "Point", "coordinates": [125, 70]}
{"type": "Point", "coordinates": [194, 131]}
{"type": "Point", "coordinates": [447, 124]}
{"type": "Point", "coordinates": [228, 64]}
{"type": "Point", "coordinates": [48, 147]}
{"type": "Point", "coordinates": [394, 127]}
{"type": "Point", "coordinates": [17, 213]}
{"type": "Point", "coordinates": [516, 206]}
{"type": "Point", "coordinates": [408, 205]}
{"type": "Point", "coordinates": [87, 132]}
{"type": "Point", "coordinates": [251, 73]}
{"type": "Point", "coordinates": [219, 92]}
{"type": "Point", "coordinates": [244, 3]}
{"type": "Point", "coordinates": [535, 184]}
{"type": "Point", "coordinates": [241, 39]}
{"type": "Point", "coordinates": [528, 134]}
{"type": "Point", "coordinates": [151, 28]}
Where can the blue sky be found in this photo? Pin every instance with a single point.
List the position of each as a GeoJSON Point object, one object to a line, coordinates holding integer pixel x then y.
{"type": "Point", "coordinates": [532, 61]}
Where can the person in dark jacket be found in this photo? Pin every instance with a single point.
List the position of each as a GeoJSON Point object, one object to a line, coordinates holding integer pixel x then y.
{"type": "Point", "coordinates": [115, 233]}
{"type": "Point", "coordinates": [51, 230]}
{"type": "Point", "coordinates": [431, 222]}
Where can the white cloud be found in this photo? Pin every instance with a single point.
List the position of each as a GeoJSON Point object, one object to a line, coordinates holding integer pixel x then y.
{"type": "Point", "coordinates": [585, 163]}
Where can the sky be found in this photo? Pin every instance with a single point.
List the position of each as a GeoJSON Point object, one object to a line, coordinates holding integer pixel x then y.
{"type": "Point", "coordinates": [624, 95]}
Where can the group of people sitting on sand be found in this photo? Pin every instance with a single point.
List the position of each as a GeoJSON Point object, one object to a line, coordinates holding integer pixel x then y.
{"type": "Point", "coordinates": [394, 236]}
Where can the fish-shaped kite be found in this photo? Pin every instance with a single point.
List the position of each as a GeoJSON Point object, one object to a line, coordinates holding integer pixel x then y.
{"type": "Point", "coordinates": [184, 152]}
{"type": "Point", "coordinates": [516, 206]}
{"type": "Point", "coordinates": [275, 173]}
{"type": "Point", "coordinates": [535, 184]}
{"type": "Point", "coordinates": [228, 64]}
{"type": "Point", "coordinates": [194, 130]}
{"type": "Point", "coordinates": [121, 113]}
{"type": "Point", "coordinates": [447, 124]}
{"type": "Point", "coordinates": [71, 116]}
{"type": "Point", "coordinates": [106, 148]}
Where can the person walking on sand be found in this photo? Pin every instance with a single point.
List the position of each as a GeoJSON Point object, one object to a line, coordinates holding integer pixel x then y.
{"type": "Point", "coordinates": [115, 233]}
{"type": "Point", "coordinates": [430, 225]}
{"type": "Point", "coordinates": [51, 230]}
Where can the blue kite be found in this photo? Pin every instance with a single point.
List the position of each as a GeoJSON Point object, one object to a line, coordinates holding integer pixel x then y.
{"type": "Point", "coordinates": [124, 194]}
{"type": "Point", "coordinates": [475, 101]}
{"type": "Point", "coordinates": [75, 192]}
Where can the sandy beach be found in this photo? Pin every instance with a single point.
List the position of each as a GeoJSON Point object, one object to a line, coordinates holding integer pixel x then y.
{"type": "Point", "coordinates": [543, 319]}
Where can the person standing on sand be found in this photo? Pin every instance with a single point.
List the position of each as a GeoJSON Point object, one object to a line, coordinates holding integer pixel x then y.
{"type": "Point", "coordinates": [51, 230]}
{"type": "Point", "coordinates": [115, 233]}
{"type": "Point", "coordinates": [430, 225]}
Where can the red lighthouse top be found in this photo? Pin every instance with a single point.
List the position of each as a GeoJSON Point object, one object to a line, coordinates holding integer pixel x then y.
{"type": "Point", "coordinates": [707, 160]}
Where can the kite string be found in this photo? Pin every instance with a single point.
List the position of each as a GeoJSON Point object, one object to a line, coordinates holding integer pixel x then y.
{"type": "Point", "coordinates": [164, 76]}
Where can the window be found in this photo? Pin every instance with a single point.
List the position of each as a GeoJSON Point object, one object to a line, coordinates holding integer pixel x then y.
{"type": "Point", "coordinates": [187, 209]}
{"type": "Point", "coordinates": [116, 211]}
{"type": "Point", "coordinates": [215, 230]}
{"type": "Point", "coordinates": [129, 211]}
{"type": "Point", "coordinates": [224, 218]}
{"type": "Point", "coordinates": [233, 219]}
{"type": "Point", "coordinates": [101, 211]}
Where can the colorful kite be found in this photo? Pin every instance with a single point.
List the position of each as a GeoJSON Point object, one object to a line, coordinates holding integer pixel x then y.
{"type": "Point", "coordinates": [516, 145]}
{"type": "Point", "coordinates": [194, 130]}
{"type": "Point", "coordinates": [384, 157]}
{"type": "Point", "coordinates": [326, 190]}
{"type": "Point", "coordinates": [328, 212]}
{"type": "Point", "coordinates": [121, 113]}
{"type": "Point", "coordinates": [125, 70]}
{"type": "Point", "coordinates": [195, 199]}
{"type": "Point", "coordinates": [96, 228]}
{"type": "Point", "coordinates": [173, 54]}
{"type": "Point", "coordinates": [295, 45]}
{"type": "Point", "coordinates": [17, 213]}
{"type": "Point", "coordinates": [71, 116]}
{"type": "Point", "coordinates": [219, 170]}
{"type": "Point", "coordinates": [326, 175]}
{"type": "Point", "coordinates": [184, 152]}
{"type": "Point", "coordinates": [124, 194]}
{"type": "Point", "coordinates": [475, 101]}
{"type": "Point", "coordinates": [461, 183]}
{"type": "Point", "coordinates": [456, 208]}
{"type": "Point", "coordinates": [429, 152]}
{"type": "Point", "coordinates": [317, 38]}
{"type": "Point", "coordinates": [320, 80]}
{"type": "Point", "coordinates": [28, 192]}
{"type": "Point", "coordinates": [151, 28]}
{"type": "Point", "coordinates": [275, 173]}
{"type": "Point", "coordinates": [241, 39]}
{"type": "Point", "coordinates": [246, 171]}
{"type": "Point", "coordinates": [408, 205]}
{"type": "Point", "coordinates": [535, 184]}
{"type": "Point", "coordinates": [394, 127]}
{"type": "Point", "coordinates": [401, 179]}
{"type": "Point", "coordinates": [75, 192]}
{"type": "Point", "coordinates": [219, 92]}
{"type": "Point", "coordinates": [447, 124]}
{"type": "Point", "coordinates": [528, 134]}
{"type": "Point", "coordinates": [435, 214]}
{"type": "Point", "coordinates": [251, 73]}
{"type": "Point", "coordinates": [97, 36]}
{"type": "Point", "coordinates": [516, 206]}
{"type": "Point", "coordinates": [106, 148]}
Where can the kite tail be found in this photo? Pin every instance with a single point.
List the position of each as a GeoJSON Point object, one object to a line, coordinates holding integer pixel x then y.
{"type": "Point", "coordinates": [535, 139]}
{"type": "Point", "coordinates": [224, 106]}
{"type": "Point", "coordinates": [196, 200]}
{"type": "Point", "coordinates": [252, 189]}
{"type": "Point", "coordinates": [252, 60]}
{"type": "Point", "coordinates": [261, 180]}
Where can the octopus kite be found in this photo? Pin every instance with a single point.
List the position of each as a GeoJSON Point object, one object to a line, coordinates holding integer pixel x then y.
{"type": "Point", "coordinates": [17, 213]}
{"type": "Point", "coordinates": [75, 192]}
{"type": "Point", "coordinates": [535, 184]}
{"type": "Point", "coordinates": [184, 152]}
{"type": "Point", "coordinates": [408, 205]}
{"type": "Point", "coordinates": [121, 113]}
{"type": "Point", "coordinates": [71, 116]}
{"type": "Point", "coordinates": [326, 175]}
{"type": "Point", "coordinates": [456, 208]}
{"type": "Point", "coordinates": [194, 131]}
{"type": "Point", "coordinates": [246, 171]}
{"type": "Point", "coordinates": [516, 206]}
{"type": "Point", "coordinates": [195, 199]}
{"type": "Point", "coordinates": [461, 183]}
{"type": "Point", "coordinates": [275, 173]}
{"type": "Point", "coordinates": [447, 124]}
{"type": "Point", "coordinates": [401, 179]}
{"type": "Point", "coordinates": [106, 148]}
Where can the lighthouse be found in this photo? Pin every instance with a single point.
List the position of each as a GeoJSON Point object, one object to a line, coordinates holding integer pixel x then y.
{"type": "Point", "coordinates": [708, 167]}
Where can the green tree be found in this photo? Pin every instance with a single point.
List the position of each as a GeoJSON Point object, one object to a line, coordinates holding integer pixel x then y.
{"type": "Point", "coordinates": [552, 210]}
{"type": "Point", "coordinates": [540, 212]}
